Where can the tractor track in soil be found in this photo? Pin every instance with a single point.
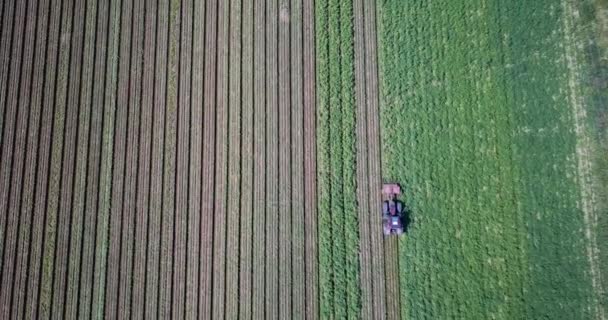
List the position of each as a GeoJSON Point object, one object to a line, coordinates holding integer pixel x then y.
{"type": "Point", "coordinates": [158, 159]}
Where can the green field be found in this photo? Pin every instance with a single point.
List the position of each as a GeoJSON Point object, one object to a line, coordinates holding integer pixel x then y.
{"type": "Point", "coordinates": [479, 126]}
{"type": "Point", "coordinates": [338, 225]}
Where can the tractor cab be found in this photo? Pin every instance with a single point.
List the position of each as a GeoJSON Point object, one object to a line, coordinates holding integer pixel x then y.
{"type": "Point", "coordinates": [392, 210]}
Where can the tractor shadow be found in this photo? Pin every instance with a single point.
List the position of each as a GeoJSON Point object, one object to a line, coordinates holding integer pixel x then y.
{"type": "Point", "coordinates": [406, 217]}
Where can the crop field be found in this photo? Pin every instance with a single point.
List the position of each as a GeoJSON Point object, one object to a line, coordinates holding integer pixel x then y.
{"type": "Point", "coordinates": [483, 110]}
{"type": "Point", "coordinates": [208, 159]}
{"type": "Point", "coordinates": [158, 159]}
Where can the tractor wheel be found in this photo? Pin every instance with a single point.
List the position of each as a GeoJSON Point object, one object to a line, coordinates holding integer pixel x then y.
{"type": "Point", "coordinates": [399, 207]}
{"type": "Point", "coordinates": [385, 209]}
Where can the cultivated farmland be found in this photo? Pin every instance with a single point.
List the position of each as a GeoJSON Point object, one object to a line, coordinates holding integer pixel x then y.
{"type": "Point", "coordinates": [206, 159]}
{"type": "Point", "coordinates": [483, 116]}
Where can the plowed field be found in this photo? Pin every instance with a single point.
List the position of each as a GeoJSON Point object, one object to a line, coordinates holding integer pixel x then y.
{"type": "Point", "coordinates": [209, 159]}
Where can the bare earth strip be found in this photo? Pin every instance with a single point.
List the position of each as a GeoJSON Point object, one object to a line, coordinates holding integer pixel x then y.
{"type": "Point", "coordinates": [108, 103]}
{"type": "Point", "coordinates": [130, 175]}
{"type": "Point", "coordinates": [284, 219]}
{"type": "Point", "coordinates": [310, 157]}
{"type": "Point", "coordinates": [272, 161]}
{"type": "Point", "coordinates": [16, 242]}
{"type": "Point", "coordinates": [221, 160]}
{"type": "Point", "coordinates": [182, 199]}
{"type": "Point", "coordinates": [9, 218]}
{"type": "Point", "coordinates": [118, 170]}
{"type": "Point", "coordinates": [81, 177]}
{"type": "Point", "coordinates": [297, 163]}
{"type": "Point", "coordinates": [155, 216]}
{"type": "Point", "coordinates": [247, 186]}
{"type": "Point", "coordinates": [26, 301]}
{"type": "Point", "coordinates": [208, 170]}
{"type": "Point", "coordinates": [232, 220]}
{"type": "Point", "coordinates": [182, 25]}
{"type": "Point", "coordinates": [167, 257]}
{"type": "Point", "coordinates": [584, 156]}
{"type": "Point", "coordinates": [6, 41]}
{"type": "Point", "coordinates": [193, 266]}
{"type": "Point", "coordinates": [99, 22]}
{"type": "Point", "coordinates": [144, 166]}
{"type": "Point", "coordinates": [373, 135]}
{"type": "Point", "coordinates": [259, 160]}
{"type": "Point", "coordinates": [65, 217]}
{"type": "Point", "coordinates": [368, 164]}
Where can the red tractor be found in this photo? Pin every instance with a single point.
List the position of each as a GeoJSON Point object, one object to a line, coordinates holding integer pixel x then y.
{"type": "Point", "coordinates": [392, 209]}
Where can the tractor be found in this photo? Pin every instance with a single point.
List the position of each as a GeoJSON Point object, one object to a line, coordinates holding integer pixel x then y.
{"type": "Point", "coordinates": [392, 210]}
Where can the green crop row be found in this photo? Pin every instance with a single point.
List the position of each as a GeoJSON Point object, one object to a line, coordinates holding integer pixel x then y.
{"type": "Point", "coordinates": [477, 126]}
{"type": "Point", "coordinates": [338, 223]}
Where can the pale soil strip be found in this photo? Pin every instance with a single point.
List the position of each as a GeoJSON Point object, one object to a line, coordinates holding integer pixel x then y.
{"type": "Point", "coordinates": [17, 241]}
{"type": "Point", "coordinates": [391, 251]}
{"type": "Point", "coordinates": [183, 26]}
{"type": "Point", "coordinates": [310, 168]}
{"type": "Point", "coordinates": [375, 172]}
{"type": "Point", "coordinates": [221, 161]}
{"type": "Point", "coordinates": [167, 256]}
{"type": "Point", "coordinates": [583, 154]}
{"type": "Point", "coordinates": [246, 203]}
{"type": "Point", "coordinates": [99, 19]}
{"type": "Point", "coordinates": [193, 266]}
{"type": "Point", "coordinates": [142, 210]}
{"type": "Point", "coordinates": [232, 220]}
{"type": "Point", "coordinates": [6, 41]}
{"type": "Point", "coordinates": [108, 104]}
{"type": "Point", "coordinates": [113, 278]}
{"type": "Point", "coordinates": [272, 161]}
{"type": "Point", "coordinates": [157, 178]}
{"type": "Point", "coordinates": [82, 154]}
{"type": "Point", "coordinates": [208, 175]}
{"type": "Point", "coordinates": [297, 163]}
{"type": "Point", "coordinates": [63, 264]}
{"type": "Point", "coordinates": [55, 181]}
{"type": "Point", "coordinates": [367, 294]}
{"type": "Point", "coordinates": [259, 160]}
{"type": "Point", "coordinates": [284, 219]}
{"type": "Point", "coordinates": [14, 120]}
{"type": "Point", "coordinates": [31, 190]}
{"type": "Point", "coordinates": [130, 175]}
